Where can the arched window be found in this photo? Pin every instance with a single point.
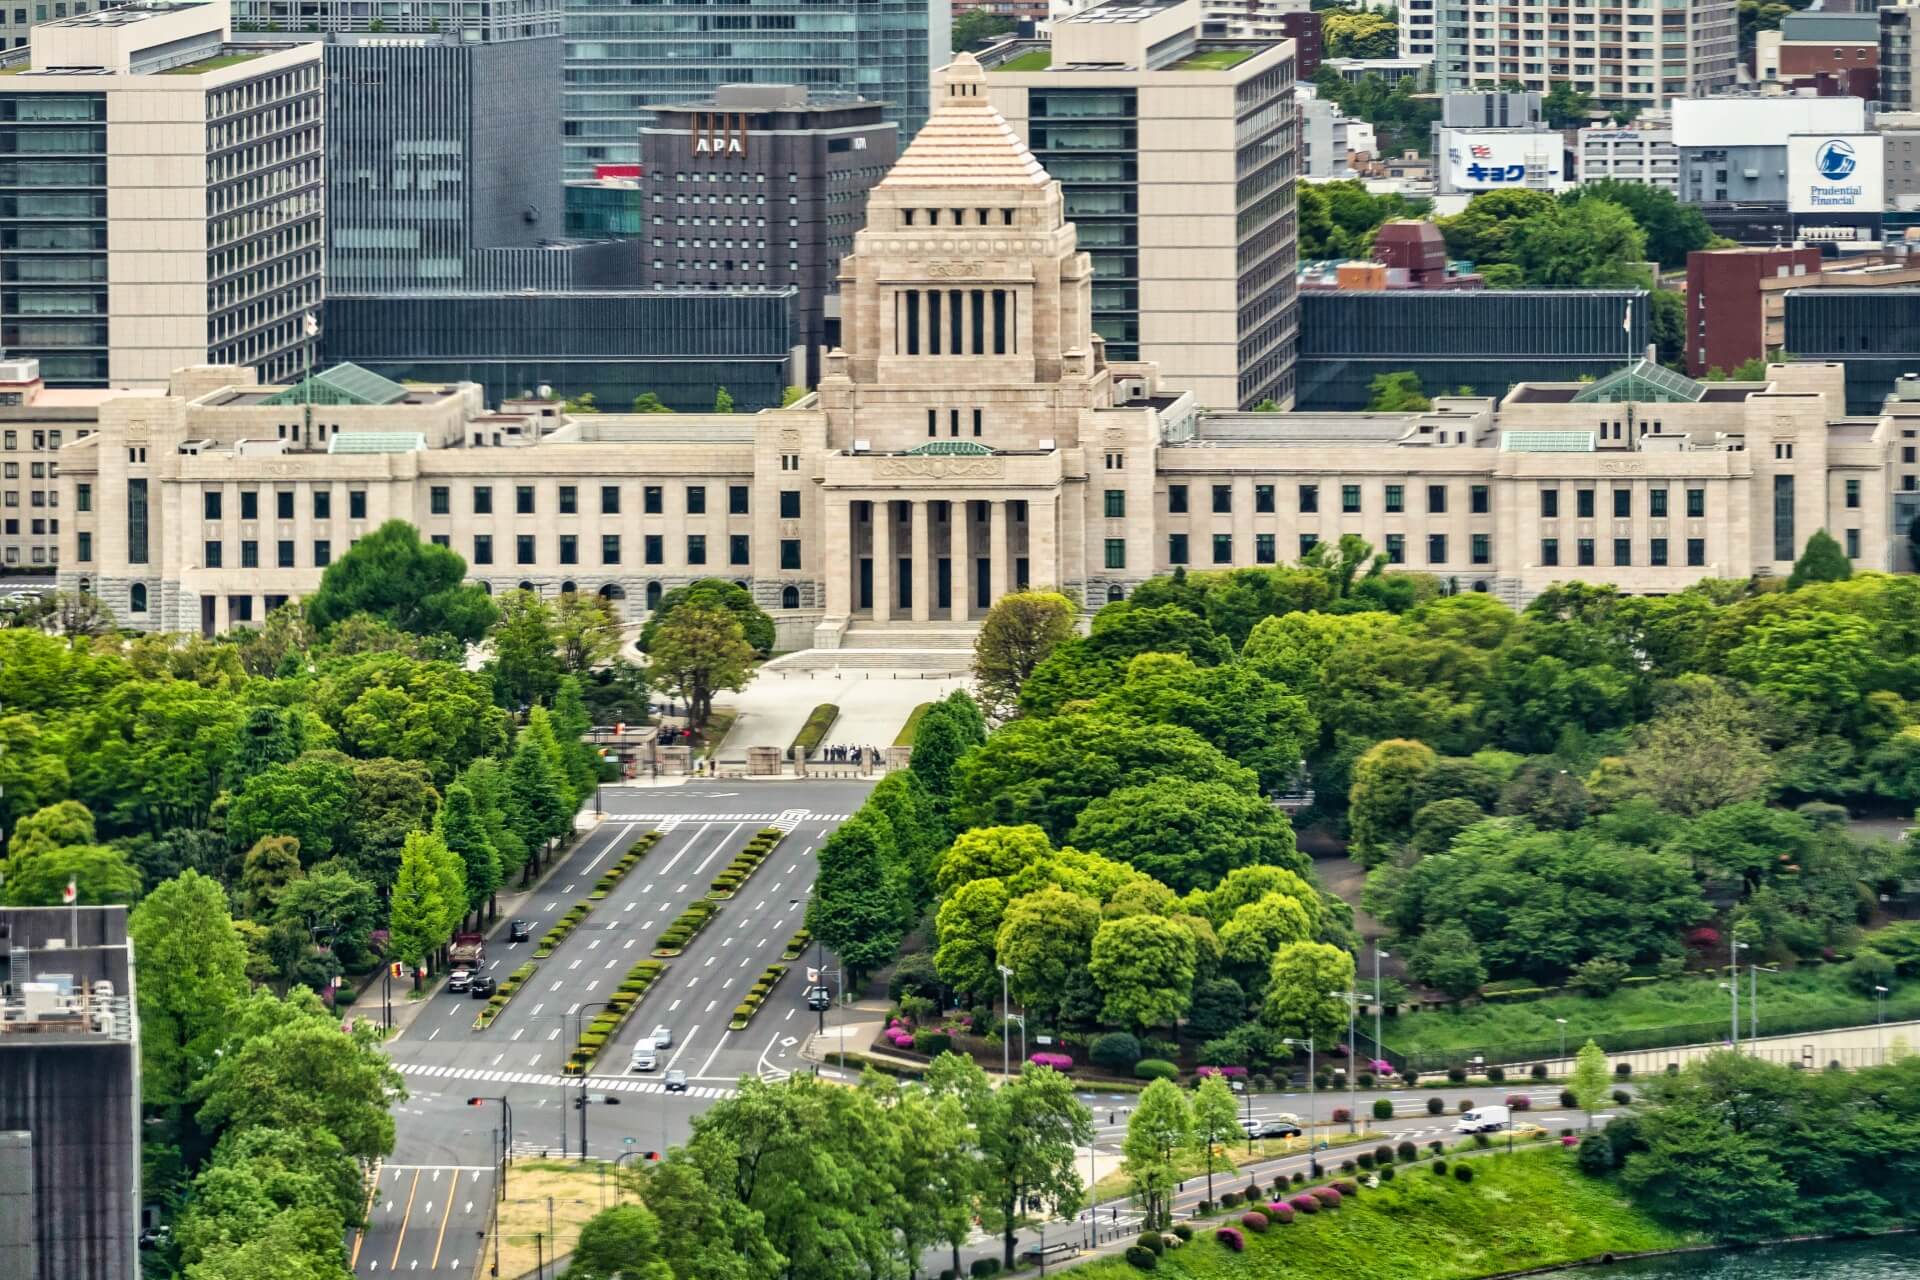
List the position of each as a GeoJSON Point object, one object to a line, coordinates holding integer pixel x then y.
{"type": "Point", "coordinates": [485, 586]}
{"type": "Point", "coordinates": [1115, 593]}
{"type": "Point", "coordinates": [741, 583]}
{"type": "Point", "coordinates": [86, 586]}
{"type": "Point", "coordinates": [569, 588]}
{"type": "Point", "coordinates": [1480, 586]}
{"type": "Point", "coordinates": [528, 586]}
{"type": "Point", "coordinates": [613, 591]}
{"type": "Point", "coordinates": [790, 598]}
{"type": "Point", "coordinates": [137, 598]}
{"type": "Point", "coordinates": [653, 595]}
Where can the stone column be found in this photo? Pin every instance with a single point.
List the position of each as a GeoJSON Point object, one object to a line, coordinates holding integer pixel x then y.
{"type": "Point", "coordinates": [1002, 561]}
{"type": "Point", "coordinates": [1043, 544]}
{"type": "Point", "coordinates": [960, 553]}
{"type": "Point", "coordinates": [882, 559]}
{"type": "Point", "coordinates": [922, 561]}
{"type": "Point", "coordinates": [838, 567]}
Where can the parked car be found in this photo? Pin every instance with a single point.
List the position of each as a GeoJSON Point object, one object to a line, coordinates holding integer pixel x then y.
{"type": "Point", "coordinates": [520, 931]}
{"type": "Point", "coordinates": [458, 979]}
{"type": "Point", "coordinates": [663, 1037]}
{"type": "Point", "coordinates": [481, 986]}
{"type": "Point", "coordinates": [676, 1082]}
{"type": "Point", "coordinates": [1484, 1120]}
{"type": "Point", "coordinates": [1271, 1129]}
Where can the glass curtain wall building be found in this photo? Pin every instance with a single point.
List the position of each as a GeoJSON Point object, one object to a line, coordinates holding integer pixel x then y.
{"type": "Point", "coordinates": [623, 59]}
{"type": "Point", "coordinates": [1088, 141]}
{"type": "Point", "coordinates": [53, 233]}
{"type": "Point", "coordinates": [1874, 333]}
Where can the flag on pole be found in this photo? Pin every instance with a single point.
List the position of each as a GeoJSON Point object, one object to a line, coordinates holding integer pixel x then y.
{"type": "Point", "coordinates": [70, 894]}
{"type": "Point", "coordinates": [312, 324]}
{"type": "Point", "coordinates": [1626, 321]}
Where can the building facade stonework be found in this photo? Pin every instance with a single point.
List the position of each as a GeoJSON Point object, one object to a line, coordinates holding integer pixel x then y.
{"type": "Point", "coordinates": [970, 437]}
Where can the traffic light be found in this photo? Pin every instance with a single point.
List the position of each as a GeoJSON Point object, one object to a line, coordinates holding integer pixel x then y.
{"type": "Point", "coordinates": [476, 1102]}
{"type": "Point", "coordinates": [652, 1156]}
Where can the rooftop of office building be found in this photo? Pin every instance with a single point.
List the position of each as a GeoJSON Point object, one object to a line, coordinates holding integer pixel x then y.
{"type": "Point", "coordinates": [161, 39]}
{"type": "Point", "coordinates": [67, 975]}
{"type": "Point", "coordinates": [1128, 35]}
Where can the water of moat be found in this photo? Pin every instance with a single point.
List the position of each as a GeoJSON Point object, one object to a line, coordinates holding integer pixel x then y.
{"type": "Point", "coordinates": [1894, 1258]}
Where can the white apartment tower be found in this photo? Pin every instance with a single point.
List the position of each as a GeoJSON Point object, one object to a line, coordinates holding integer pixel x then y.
{"type": "Point", "coordinates": [1619, 52]}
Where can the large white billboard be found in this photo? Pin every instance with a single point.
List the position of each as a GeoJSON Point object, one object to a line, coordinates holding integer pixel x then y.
{"type": "Point", "coordinates": [1761, 122]}
{"type": "Point", "coordinates": [1836, 173]}
{"type": "Point", "coordinates": [1499, 160]}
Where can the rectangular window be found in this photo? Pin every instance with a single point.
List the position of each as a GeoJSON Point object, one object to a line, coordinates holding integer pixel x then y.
{"type": "Point", "coordinates": [1222, 499]}
{"type": "Point", "coordinates": [83, 497]}
{"type": "Point", "coordinates": [1396, 548]}
{"type": "Point", "coordinates": [696, 499]}
{"type": "Point", "coordinates": [1585, 551]}
{"type": "Point", "coordinates": [1549, 551]}
{"type": "Point", "coordinates": [1696, 504]}
{"type": "Point", "coordinates": [652, 500]}
{"type": "Point", "coordinates": [1853, 495]}
{"type": "Point", "coordinates": [569, 548]}
{"type": "Point", "coordinates": [1696, 552]}
{"type": "Point", "coordinates": [739, 548]}
{"type": "Point", "coordinates": [283, 504]}
{"type": "Point", "coordinates": [609, 499]}
{"type": "Point", "coordinates": [1177, 499]}
{"type": "Point", "coordinates": [440, 500]}
{"type": "Point", "coordinates": [1482, 548]}
{"type": "Point", "coordinates": [696, 548]}
{"type": "Point", "coordinates": [1116, 503]}
{"type": "Point", "coordinates": [1657, 504]}
{"type": "Point", "coordinates": [1549, 504]}
{"type": "Point", "coordinates": [357, 504]}
{"type": "Point", "coordinates": [136, 521]}
{"type": "Point", "coordinates": [483, 499]}
{"type": "Point", "coordinates": [322, 553]}
{"type": "Point", "coordinates": [1116, 553]}
{"type": "Point", "coordinates": [1263, 499]}
{"type": "Point", "coordinates": [789, 553]}
{"type": "Point", "coordinates": [789, 504]}
{"type": "Point", "coordinates": [1309, 498]}
{"type": "Point", "coordinates": [1308, 541]}
{"type": "Point", "coordinates": [1223, 548]}
{"type": "Point", "coordinates": [1623, 551]}
{"type": "Point", "coordinates": [737, 500]}
{"type": "Point", "coordinates": [249, 504]}
{"type": "Point", "coordinates": [1657, 552]}
{"type": "Point", "coordinates": [1436, 499]}
{"type": "Point", "coordinates": [1583, 504]}
{"type": "Point", "coordinates": [85, 549]}
{"type": "Point", "coordinates": [609, 548]}
{"type": "Point", "coordinates": [283, 553]}
{"type": "Point", "coordinates": [1622, 504]}
{"type": "Point", "coordinates": [442, 540]}
{"type": "Point", "coordinates": [1479, 499]}
{"type": "Point", "coordinates": [1783, 542]}
{"type": "Point", "coordinates": [1263, 548]}
{"type": "Point", "coordinates": [483, 548]}
{"type": "Point", "coordinates": [655, 549]}
{"type": "Point", "coordinates": [569, 500]}
{"type": "Point", "coordinates": [213, 551]}
{"type": "Point", "coordinates": [210, 504]}
{"type": "Point", "coordinates": [1349, 498]}
{"type": "Point", "coordinates": [523, 500]}
{"type": "Point", "coordinates": [523, 548]}
{"type": "Point", "coordinates": [249, 554]}
{"type": "Point", "coordinates": [1436, 548]}
{"type": "Point", "coordinates": [1396, 499]}
{"type": "Point", "coordinates": [1176, 548]}
{"type": "Point", "coordinates": [1853, 544]}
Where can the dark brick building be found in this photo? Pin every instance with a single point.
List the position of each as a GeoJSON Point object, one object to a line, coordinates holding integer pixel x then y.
{"type": "Point", "coordinates": [761, 189]}
{"type": "Point", "coordinates": [1736, 302]}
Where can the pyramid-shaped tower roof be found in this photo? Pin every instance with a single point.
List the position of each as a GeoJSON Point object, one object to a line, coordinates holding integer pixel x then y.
{"type": "Point", "coordinates": [965, 142]}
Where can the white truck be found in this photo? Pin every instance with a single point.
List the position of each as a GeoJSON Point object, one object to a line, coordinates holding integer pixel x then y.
{"type": "Point", "coordinates": [1484, 1120]}
{"type": "Point", "coordinates": [646, 1057]}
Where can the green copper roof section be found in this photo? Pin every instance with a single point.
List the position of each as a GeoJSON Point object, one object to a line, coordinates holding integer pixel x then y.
{"type": "Point", "coordinates": [342, 384]}
{"type": "Point", "coordinates": [1546, 442]}
{"type": "Point", "coordinates": [950, 449]}
{"type": "Point", "coordinates": [1642, 382]}
{"type": "Point", "coordinates": [376, 442]}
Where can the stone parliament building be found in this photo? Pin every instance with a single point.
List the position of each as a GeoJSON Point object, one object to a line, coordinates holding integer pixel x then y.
{"type": "Point", "coordinates": [970, 438]}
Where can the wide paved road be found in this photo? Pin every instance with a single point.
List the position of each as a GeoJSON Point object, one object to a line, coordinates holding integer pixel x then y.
{"type": "Point", "coordinates": [446, 1142]}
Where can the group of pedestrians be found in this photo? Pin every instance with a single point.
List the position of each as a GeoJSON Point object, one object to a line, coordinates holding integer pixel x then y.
{"type": "Point", "coordinates": [834, 753]}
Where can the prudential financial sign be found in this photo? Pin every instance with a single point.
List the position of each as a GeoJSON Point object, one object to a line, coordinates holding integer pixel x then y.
{"type": "Point", "coordinates": [1836, 173]}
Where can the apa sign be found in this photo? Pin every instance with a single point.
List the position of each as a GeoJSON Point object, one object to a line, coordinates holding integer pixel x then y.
{"type": "Point", "coordinates": [1836, 173]}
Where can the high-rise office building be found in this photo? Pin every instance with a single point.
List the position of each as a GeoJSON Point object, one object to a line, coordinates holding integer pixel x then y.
{"type": "Point", "coordinates": [485, 21]}
{"type": "Point", "coordinates": [35, 421]}
{"type": "Point", "coordinates": [624, 59]}
{"type": "Point", "coordinates": [1618, 52]}
{"type": "Point", "coordinates": [1177, 155]}
{"type": "Point", "coordinates": [166, 197]}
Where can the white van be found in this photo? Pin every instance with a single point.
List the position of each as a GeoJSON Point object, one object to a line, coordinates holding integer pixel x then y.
{"type": "Point", "coordinates": [1484, 1120]}
{"type": "Point", "coordinates": [645, 1057]}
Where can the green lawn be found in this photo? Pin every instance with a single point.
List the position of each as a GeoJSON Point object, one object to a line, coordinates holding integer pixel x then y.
{"type": "Point", "coordinates": [905, 737]}
{"type": "Point", "coordinates": [210, 64]}
{"type": "Point", "coordinates": [1031, 60]}
{"type": "Point", "coordinates": [1797, 995]}
{"type": "Point", "coordinates": [1212, 60]}
{"type": "Point", "coordinates": [1533, 1209]}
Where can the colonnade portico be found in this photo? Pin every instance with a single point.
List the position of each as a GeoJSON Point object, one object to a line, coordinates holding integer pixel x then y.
{"type": "Point", "coordinates": [916, 557]}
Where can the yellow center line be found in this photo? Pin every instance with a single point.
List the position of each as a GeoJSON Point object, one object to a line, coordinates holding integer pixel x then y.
{"type": "Point", "coordinates": [401, 1239]}
{"type": "Point", "coordinates": [360, 1236]}
{"type": "Point", "coordinates": [453, 1190]}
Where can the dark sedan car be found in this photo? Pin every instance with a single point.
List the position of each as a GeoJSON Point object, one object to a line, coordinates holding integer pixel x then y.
{"type": "Point", "coordinates": [1272, 1129]}
{"type": "Point", "coordinates": [481, 987]}
{"type": "Point", "coordinates": [520, 931]}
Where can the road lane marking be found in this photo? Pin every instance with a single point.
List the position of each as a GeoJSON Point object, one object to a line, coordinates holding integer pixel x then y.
{"type": "Point", "coordinates": [744, 959]}
{"type": "Point", "coordinates": [629, 944]}
{"type": "Point", "coordinates": [673, 1006]}
{"type": "Point", "coordinates": [725, 840]}
{"type": "Point", "coordinates": [682, 851]}
{"type": "Point", "coordinates": [550, 906]}
{"type": "Point", "coordinates": [543, 1004]}
{"type": "Point", "coordinates": [631, 905]}
{"type": "Point", "coordinates": [609, 964]}
{"type": "Point", "coordinates": [441, 1239]}
{"type": "Point", "coordinates": [435, 1035]}
{"type": "Point", "coordinates": [570, 968]}
{"type": "Point", "coordinates": [401, 1239]}
{"type": "Point", "coordinates": [517, 1033]}
{"type": "Point", "coordinates": [593, 984]}
{"type": "Point", "coordinates": [554, 1034]}
{"type": "Point", "coordinates": [572, 1009]}
{"type": "Point", "coordinates": [496, 1059]}
{"type": "Point", "coordinates": [684, 1042]}
{"type": "Point", "coordinates": [710, 1005]}
{"type": "Point", "coordinates": [702, 1072]}
{"type": "Point", "coordinates": [618, 841]}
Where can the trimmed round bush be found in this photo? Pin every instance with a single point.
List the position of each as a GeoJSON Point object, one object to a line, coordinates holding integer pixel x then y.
{"type": "Point", "coordinates": [1383, 1108]}
{"type": "Point", "coordinates": [1539, 1071]}
{"type": "Point", "coordinates": [1366, 1079]}
{"type": "Point", "coordinates": [1457, 1074]}
{"type": "Point", "coordinates": [1151, 1240]}
{"type": "Point", "coordinates": [1299, 1178]}
{"type": "Point", "coordinates": [1463, 1172]}
{"type": "Point", "coordinates": [1231, 1237]}
{"type": "Point", "coordinates": [1496, 1075]}
{"type": "Point", "coordinates": [1345, 1188]}
{"type": "Point", "coordinates": [1386, 1174]}
{"type": "Point", "coordinates": [1229, 1199]}
{"type": "Point", "coordinates": [1623, 1069]}
{"type": "Point", "coordinates": [1439, 1167]}
{"type": "Point", "coordinates": [1203, 1208]}
{"type": "Point", "coordinates": [1304, 1204]}
{"type": "Point", "coordinates": [1142, 1259]}
{"type": "Point", "coordinates": [984, 1267]}
{"type": "Point", "coordinates": [1365, 1159]}
{"type": "Point", "coordinates": [1278, 1212]}
{"type": "Point", "coordinates": [1184, 1231]}
{"type": "Point", "coordinates": [1254, 1221]}
{"type": "Point", "coordinates": [1409, 1077]}
{"type": "Point", "coordinates": [1436, 1105]}
{"type": "Point", "coordinates": [1436, 1146]}
{"type": "Point", "coordinates": [1383, 1154]}
{"type": "Point", "coordinates": [1326, 1196]}
{"type": "Point", "coordinates": [1407, 1152]}
{"type": "Point", "coordinates": [1155, 1069]}
{"type": "Point", "coordinates": [1116, 1050]}
{"type": "Point", "coordinates": [1346, 1166]}
{"type": "Point", "coordinates": [1519, 1102]}
{"type": "Point", "coordinates": [1621, 1097]}
{"type": "Point", "coordinates": [1567, 1099]}
{"type": "Point", "coordinates": [1466, 1105]}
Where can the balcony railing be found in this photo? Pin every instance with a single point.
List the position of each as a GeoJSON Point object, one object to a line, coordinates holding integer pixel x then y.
{"type": "Point", "coordinates": [79, 1016]}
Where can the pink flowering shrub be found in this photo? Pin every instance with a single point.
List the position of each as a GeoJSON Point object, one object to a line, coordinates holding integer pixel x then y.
{"type": "Point", "coordinates": [1231, 1237]}
{"type": "Point", "coordinates": [1345, 1188]}
{"type": "Point", "coordinates": [1058, 1061]}
{"type": "Point", "coordinates": [1326, 1196]}
{"type": "Point", "coordinates": [1519, 1102]}
{"type": "Point", "coordinates": [1254, 1220]}
{"type": "Point", "coordinates": [1280, 1213]}
{"type": "Point", "coordinates": [1304, 1204]}
{"type": "Point", "coordinates": [1230, 1073]}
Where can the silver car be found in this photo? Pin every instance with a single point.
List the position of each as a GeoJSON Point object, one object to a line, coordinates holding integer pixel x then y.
{"type": "Point", "coordinates": [662, 1038]}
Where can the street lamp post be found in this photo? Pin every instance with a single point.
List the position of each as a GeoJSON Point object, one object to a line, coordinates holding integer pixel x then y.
{"type": "Point", "coordinates": [506, 1135]}
{"type": "Point", "coordinates": [1563, 1041]}
{"type": "Point", "coordinates": [1353, 1077]}
{"type": "Point", "coordinates": [1879, 1025]}
{"type": "Point", "coordinates": [1240, 1088]}
{"type": "Point", "coordinates": [1308, 1042]}
{"type": "Point", "coordinates": [1378, 956]}
{"type": "Point", "coordinates": [1006, 1066]}
{"type": "Point", "coordinates": [578, 1015]}
{"type": "Point", "coordinates": [1733, 954]}
{"type": "Point", "coordinates": [1753, 1002]}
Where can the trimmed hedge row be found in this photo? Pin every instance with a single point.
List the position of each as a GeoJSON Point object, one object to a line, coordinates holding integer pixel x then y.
{"type": "Point", "coordinates": [797, 945]}
{"type": "Point", "coordinates": [756, 996]}
{"type": "Point", "coordinates": [565, 925]}
{"type": "Point", "coordinates": [746, 862]}
{"type": "Point", "coordinates": [675, 937]}
{"type": "Point", "coordinates": [498, 1000]}
{"type": "Point", "coordinates": [814, 731]}
{"type": "Point", "coordinates": [605, 1025]}
{"type": "Point", "coordinates": [625, 863]}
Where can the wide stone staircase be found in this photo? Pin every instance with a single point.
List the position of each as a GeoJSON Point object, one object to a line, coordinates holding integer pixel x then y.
{"type": "Point", "coordinates": [933, 647]}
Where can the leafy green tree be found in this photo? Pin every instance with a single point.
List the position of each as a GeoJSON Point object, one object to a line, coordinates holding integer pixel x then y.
{"type": "Point", "coordinates": [586, 634]}
{"type": "Point", "coordinates": [1359, 33]}
{"type": "Point", "coordinates": [697, 651]}
{"type": "Point", "coordinates": [330, 901]}
{"type": "Point", "coordinates": [1159, 1132]}
{"type": "Point", "coordinates": [390, 704]}
{"type": "Point", "coordinates": [571, 725]}
{"type": "Point", "coordinates": [1216, 1120]}
{"type": "Point", "coordinates": [1300, 981]}
{"type": "Point", "coordinates": [268, 867]}
{"type": "Point", "coordinates": [1701, 751]}
{"type": "Point", "coordinates": [1821, 560]}
{"type": "Point", "coordinates": [1385, 797]}
{"type": "Point", "coordinates": [855, 909]}
{"type": "Point", "coordinates": [541, 806]}
{"type": "Point", "coordinates": [1448, 960]}
{"type": "Point", "coordinates": [393, 575]}
{"type": "Point", "coordinates": [1029, 1130]}
{"type": "Point", "coordinates": [1485, 231]}
{"type": "Point", "coordinates": [298, 1244]}
{"type": "Point", "coordinates": [722, 401]}
{"type": "Point", "coordinates": [307, 800]}
{"type": "Point", "coordinates": [100, 874]}
{"type": "Point", "coordinates": [269, 736]}
{"type": "Point", "coordinates": [1744, 842]}
{"type": "Point", "coordinates": [1045, 938]}
{"type": "Point", "coordinates": [755, 625]}
{"type": "Point", "coordinates": [1588, 1083]}
{"type": "Point", "coordinates": [947, 731]}
{"type": "Point", "coordinates": [1143, 967]}
{"type": "Point", "coordinates": [1667, 323]}
{"type": "Point", "coordinates": [1219, 1005]}
{"type": "Point", "coordinates": [526, 669]}
{"type": "Point", "coordinates": [968, 926]}
{"type": "Point", "coordinates": [257, 1175]}
{"type": "Point", "coordinates": [192, 973]}
{"type": "Point", "coordinates": [33, 771]}
{"type": "Point", "coordinates": [156, 754]}
{"type": "Point", "coordinates": [391, 800]}
{"type": "Point", "coordinates": [939, 1165]}
{"type": "Point", "coordinates": [620, 1243]}
{"type": "Point", "coordinates": [714, 1235]}
{"type": "Point", "coordinates": [649, 402]}
{"type": "Point", "coordinates": [1253, 720]}
{"type": "Point", "coordinates": [1566, 106]}
{"type": "Point", "coordinates": [1590, 244]}
{"type": "Point", "coordinates": [57, 825]}
{"type": "Point", "coordinates": [429, 898]}
{"type": "Point", "coordinates": [461, 828]}
{"type": "Point", "coordinates": [1187, 834]}
{"type": "Point", "coordinates": [1437, 822]}
{"type": "Point", "coordinates": [1020, 630]}
{"type": "Point", "coordinates": [1249, 939]}
{"type": "Point", "coordinates": [1397, 393]}
{"type": "Point", "coordinates": [973, 27]}
{"type": "Point", "coordinates": [1673, 229]}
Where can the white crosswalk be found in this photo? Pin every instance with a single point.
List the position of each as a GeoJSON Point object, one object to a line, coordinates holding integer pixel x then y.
{"type": "Point", "coordinates": [619, 1084]}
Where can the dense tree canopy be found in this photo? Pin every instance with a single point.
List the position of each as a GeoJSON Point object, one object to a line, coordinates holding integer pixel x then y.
{"type": "Point", "coordinates": [414, 585]}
